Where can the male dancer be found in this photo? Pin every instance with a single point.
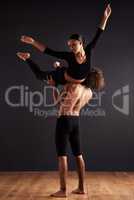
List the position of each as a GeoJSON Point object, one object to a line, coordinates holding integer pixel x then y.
{"type": "Point", "coordinates": [67, 129]}
{"type": "Point", "coordinates": [71, 100]}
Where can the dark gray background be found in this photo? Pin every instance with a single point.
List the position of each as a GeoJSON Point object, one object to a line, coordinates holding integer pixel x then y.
{"type": "Point", "coordinates": [26, 141]}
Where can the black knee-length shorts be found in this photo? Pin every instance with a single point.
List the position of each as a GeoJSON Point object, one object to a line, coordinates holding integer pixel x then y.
{"type": "Point", "coordinates": [67, 130]}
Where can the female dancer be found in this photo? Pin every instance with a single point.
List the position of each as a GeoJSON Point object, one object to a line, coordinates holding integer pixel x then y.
{"type": "Point", "coordinates": [94, 78]}
{"type": "Point", "coordinates": [79, 58]}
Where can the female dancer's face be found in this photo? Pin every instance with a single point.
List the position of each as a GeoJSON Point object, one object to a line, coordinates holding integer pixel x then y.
{"type": "Point", "coordinates": [74, 45]}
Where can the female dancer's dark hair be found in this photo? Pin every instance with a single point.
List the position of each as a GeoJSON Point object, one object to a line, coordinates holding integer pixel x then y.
{"type": "Point", "coordinates": [78, 37]}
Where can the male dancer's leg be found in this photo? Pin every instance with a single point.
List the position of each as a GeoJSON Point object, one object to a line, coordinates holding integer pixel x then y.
{"type": "Point", "coordinates": [63, 169]}
{"type": "Point", "coordinates": [61, 140]}
{"type": "Point", "coordinates": [76, 149]}
{"type": "Point", "coordinates": [81, 174]}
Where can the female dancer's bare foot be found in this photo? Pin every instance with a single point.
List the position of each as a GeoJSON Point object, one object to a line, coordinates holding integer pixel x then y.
{"type": "Point", "coordinates": [78, 191]}
{"type": "Point", "coordinates": [60, 193]}
{"type": "Point", "coordinates": [23, 55]}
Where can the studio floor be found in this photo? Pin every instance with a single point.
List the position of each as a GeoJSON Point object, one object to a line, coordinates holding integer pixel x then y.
{"type": "Point", "coordinates": [39, 185]}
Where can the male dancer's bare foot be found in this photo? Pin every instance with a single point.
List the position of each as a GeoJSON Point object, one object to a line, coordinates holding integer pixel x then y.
{"type": "Point", "coordinates": [60, 193]}
{"type": "Point", "coordinates": [78, 191]}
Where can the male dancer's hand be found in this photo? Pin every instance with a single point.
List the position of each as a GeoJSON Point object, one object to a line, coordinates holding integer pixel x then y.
{"type": "Point", "coordinates": [50, 81]}
{"type": "Point", "coordinates": [27, 39]}
{"type": "Point", "coordinates": [23, 55]}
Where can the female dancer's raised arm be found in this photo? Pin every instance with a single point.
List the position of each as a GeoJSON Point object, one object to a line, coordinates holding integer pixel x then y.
{"type": "Point", "coordinates": [105, 17]}
{"type": "Point", "coordinates": [101, 28]}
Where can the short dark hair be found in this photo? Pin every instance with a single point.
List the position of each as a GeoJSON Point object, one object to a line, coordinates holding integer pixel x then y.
{"type": "Point", "coordinates": [95, 79]}
{"type": "Point", "coordinates": [78, 37]}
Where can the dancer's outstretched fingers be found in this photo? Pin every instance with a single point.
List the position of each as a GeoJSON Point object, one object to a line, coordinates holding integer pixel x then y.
{"type": "Point", "coordinates": [108, 11]}
{"type": "Point", "coordinates": [27, 39]}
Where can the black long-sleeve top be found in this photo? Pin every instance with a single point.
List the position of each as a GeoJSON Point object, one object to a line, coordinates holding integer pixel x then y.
{"type": "Point", "coordinates": [76, 70]}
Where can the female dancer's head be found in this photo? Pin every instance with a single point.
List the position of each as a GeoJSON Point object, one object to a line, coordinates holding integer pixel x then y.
{"type": "Point", "coordinates": [76, 43]}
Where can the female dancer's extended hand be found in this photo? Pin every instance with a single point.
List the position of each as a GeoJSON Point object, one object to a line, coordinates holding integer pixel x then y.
{"type": "Point", "coordinates": [23, 55]}
{"type": "Point", "coordinates": [107, 11]}
{"type": "Point", "coordinates": [27, 39]}
{"type": "Point", "coordinates": [105, 17]}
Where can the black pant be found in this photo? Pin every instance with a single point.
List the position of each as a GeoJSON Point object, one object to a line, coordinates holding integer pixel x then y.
{"type": "Point", "coordinates": [67, 130]}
